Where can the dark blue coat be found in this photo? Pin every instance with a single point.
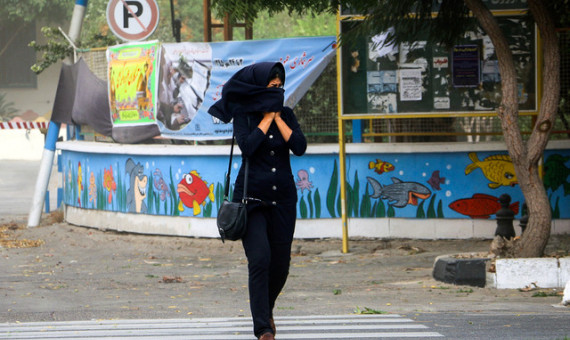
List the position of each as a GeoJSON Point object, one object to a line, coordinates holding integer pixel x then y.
{"type": "Point", "coordinates": [270, 176]}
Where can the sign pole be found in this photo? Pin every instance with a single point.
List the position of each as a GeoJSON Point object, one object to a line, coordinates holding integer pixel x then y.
{"type": "Point", "coordinates": [341, 151]}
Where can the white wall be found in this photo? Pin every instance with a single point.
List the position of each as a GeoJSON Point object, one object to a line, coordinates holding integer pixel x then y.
{"type": "Point", "coordinates": [39, 99]}
{"type": "Point", "coordinates": [21, 144]}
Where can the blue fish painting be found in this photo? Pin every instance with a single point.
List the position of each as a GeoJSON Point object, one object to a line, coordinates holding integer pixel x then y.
{"type": "Point", "coordinates": [399, 194]}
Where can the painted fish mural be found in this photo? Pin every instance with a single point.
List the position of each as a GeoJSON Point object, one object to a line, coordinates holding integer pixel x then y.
{"type": "Point", "coordinates": [193, 191]}
{"type": "Point", "coordinates": [303, 182]}
{"type": "Point", "coordinates": [79, 183]}
{"type": "Point", "coordinates": [109, 183]}
{"type": "Point", "coordinates": [435, 180]}
{"type": "Point", "coordinates": [137, 190]}
{"type": "Point", "coordinates": [556, 173]}
{"type": "Point", "coordinates": [480, 206]}
{"type": "Point", "coordinates": [380, 166]}
{"type": "Point", "coordinates": [92, 188]}
{"type": "Point", "coordinates": [160, 184]}
{"type": "Point", "coordinates": [399, 194]}
{"type": "Point", "coordinates": [498, 169]}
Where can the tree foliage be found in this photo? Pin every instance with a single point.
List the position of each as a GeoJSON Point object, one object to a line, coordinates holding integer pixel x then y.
{"type": "Point", "coordinates": [96, 32]}
{"type": "Point", "coordinates": [17, 14]}
{"type": "Point", "coordinates": [30, 10]}
{"type": "Point", "coordinates": [241, 10]}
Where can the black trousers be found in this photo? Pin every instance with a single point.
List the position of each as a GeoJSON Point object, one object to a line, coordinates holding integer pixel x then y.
{"type": "Point", "coordinates": [267, 245]}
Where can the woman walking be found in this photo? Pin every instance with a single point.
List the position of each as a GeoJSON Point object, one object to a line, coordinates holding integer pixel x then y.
{"type": "Point", "coordinates": [266, 132]}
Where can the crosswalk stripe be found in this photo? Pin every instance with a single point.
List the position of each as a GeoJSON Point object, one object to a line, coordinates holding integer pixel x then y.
{"type": "Point", "coordinates": [289, 327]}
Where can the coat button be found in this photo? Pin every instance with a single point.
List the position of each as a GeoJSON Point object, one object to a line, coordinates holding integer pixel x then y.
{"type": "Point", "coordinates": [274, 203]}
{"type": "Point", "coordinates": [274, 187]}
{"type": "Point", "coordinates": [270, 136]}
{"type": "Point", "coordinates": [272, 153]}
{"type": "Point", "coordinates": [273, 169]}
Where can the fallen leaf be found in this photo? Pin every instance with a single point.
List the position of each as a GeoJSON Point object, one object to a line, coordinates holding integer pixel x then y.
{"type": "Point", "coordinates": [172, 279]}
{"type": "Point", "coordinates": [529, 287]}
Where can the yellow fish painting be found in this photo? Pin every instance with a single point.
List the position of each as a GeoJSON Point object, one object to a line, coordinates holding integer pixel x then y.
{"type": "Point", "coordinates": [498, 169]}
{"type": "Point", "coordinates": [380, 166]}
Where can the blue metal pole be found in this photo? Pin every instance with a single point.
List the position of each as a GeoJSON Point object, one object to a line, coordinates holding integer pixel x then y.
{"type": "Point", "coordinates": [53, 130]}
{"type": "Point", "coordinates": [357, 131]}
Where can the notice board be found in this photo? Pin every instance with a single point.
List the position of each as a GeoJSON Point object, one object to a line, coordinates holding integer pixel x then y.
{"type": "Point", "coordinates": [420, 77]}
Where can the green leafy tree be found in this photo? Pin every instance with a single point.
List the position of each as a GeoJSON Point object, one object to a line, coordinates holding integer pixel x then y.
{"type": "Point", "coordinates": [95, 31]}
{"type": "Point", "coordinates": [26, 11]}
{"type": "Point", "coordinates": [410, 17]}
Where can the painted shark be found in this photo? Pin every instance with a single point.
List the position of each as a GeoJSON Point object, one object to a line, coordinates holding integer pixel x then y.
{"type": "Point", "coordinates": [399, 194]}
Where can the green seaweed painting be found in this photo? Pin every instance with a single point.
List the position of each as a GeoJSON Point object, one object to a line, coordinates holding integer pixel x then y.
{"type": "Point", "coordinates": [303, 207]}
{"type": "Point", "coordinates": [309, 206]}
{"type": "Point", "coordinates": [366, 206]}
{"type": "Point", "coordinates": [174, 211]}
{"type": "Point", "coordinates": [420, 212]}
{"type": "Point", "coordinates": [332, 191]}
{"type": "Point", "coordinates": [317, 201]}
{"type": "Point", "coordinates": [121, 192]}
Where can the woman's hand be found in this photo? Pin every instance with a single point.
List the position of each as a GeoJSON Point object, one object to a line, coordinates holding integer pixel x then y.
{"type": "Point", "coordinates": [270, 115]}
{"type": "Point", "coordinates": [283, 127]}
{"type": "Point", "coordinates": [268, 118]}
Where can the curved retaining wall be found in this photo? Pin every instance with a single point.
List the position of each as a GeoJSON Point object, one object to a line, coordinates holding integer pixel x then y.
{"type": "Point", "coordinates": [424, 191]}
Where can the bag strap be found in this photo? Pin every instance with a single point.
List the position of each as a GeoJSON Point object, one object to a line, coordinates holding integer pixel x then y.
{"type": "Point", "coordinates": [227, 189]}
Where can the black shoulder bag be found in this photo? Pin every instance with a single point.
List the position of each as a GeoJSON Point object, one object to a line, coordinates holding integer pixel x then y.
{"type": "Point", "coordinates": [232, 216]}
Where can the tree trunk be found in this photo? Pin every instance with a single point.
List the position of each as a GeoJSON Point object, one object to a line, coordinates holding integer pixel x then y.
{"type": "Point", "coordinates": [526, 157]}
{"type": "Point", "coordinates": [540, 217]}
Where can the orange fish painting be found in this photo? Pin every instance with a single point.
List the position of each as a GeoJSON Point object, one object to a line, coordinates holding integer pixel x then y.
{"type": "Point", "coordinates": [480, 206]}
{"type": "Point", "coordinates": [193, 191]}
{"type": "Point", "coordinates": [109, 183]}
{"type": "Point", "coordinates": [380, 166]}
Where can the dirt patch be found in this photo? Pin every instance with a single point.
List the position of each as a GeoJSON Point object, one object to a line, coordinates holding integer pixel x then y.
{"type": "Point", "coordinates": [78, 273]}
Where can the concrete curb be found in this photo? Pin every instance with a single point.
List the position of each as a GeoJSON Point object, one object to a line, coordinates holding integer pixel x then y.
{"type": "Point", "coordinates": [461, 271]}
{"type": "Point", "coordinates": [509, 273]}
{"type": "Point", "coordinates": [521, 273]}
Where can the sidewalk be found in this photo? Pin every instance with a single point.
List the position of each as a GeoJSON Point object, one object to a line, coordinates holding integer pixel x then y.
{"type": "Point", "coordinates": [82, 274]}
{"type": "Point", "coordinates": [17, 185]}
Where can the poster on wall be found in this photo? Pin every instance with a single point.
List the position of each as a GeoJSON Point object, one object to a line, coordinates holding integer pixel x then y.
{"type": "Point", "coordinates": [465, 70]}
{"type": "Point", "coordinates": [132, 74]}
{"type": "Point", "coordinates": [410, 84]}
{"type": "Point", "coordinates": [185, 70]}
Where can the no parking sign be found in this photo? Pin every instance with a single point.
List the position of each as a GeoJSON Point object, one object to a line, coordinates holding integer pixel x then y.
{"type": "Point", "coordinates": [132, 20]}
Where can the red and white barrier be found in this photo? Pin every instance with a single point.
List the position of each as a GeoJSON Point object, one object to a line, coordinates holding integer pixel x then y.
{"type": "Point", "coordinates": [23, 125]}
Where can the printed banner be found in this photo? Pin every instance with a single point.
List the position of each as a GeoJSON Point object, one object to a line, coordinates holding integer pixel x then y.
{"type": "Point", "coordinates": [192, 76]}
{"type": "Point", "coordinates": [185, 71]}
{"type": "Point", "coordinates": [133, 83]}
{"type": "Point", "coordinates": [171, 86]}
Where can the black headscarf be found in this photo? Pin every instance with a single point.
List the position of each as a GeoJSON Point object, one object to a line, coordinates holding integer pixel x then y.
{"type": "Point", "coordinates": [247, 91]}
